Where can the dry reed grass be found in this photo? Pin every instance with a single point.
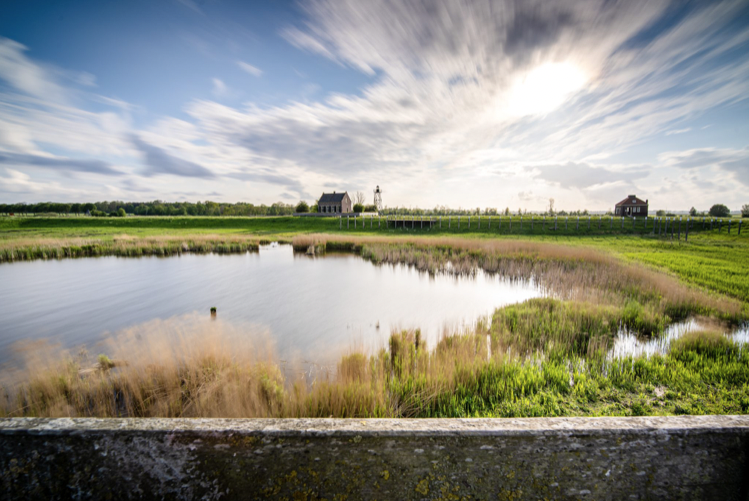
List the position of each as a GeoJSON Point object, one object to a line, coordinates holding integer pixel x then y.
{"type": "Point", "coordinates": [20, 249]}
{"type": "Point", "coordinates": [566, 272]}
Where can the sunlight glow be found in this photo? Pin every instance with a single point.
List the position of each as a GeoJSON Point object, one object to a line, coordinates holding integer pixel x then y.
{"type": "Point", "coordinates": [545, 88]}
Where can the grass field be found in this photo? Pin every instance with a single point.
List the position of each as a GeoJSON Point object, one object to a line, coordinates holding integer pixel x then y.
{"type": "Point", "coordinates": [544, 357]}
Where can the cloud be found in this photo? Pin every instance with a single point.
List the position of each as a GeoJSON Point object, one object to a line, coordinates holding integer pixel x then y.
{"type": "Point", "coordinates": [734, 161]}
{"type": "Point", "coordinates": [263, 176]}
{"type": "Point", "coordinates": [24, 75]}
{"type": "Point", "coordinates": [219, 88]}
{"type": "Point", "coordinates": [678, 131]}
{"type": "Point", "coordinates": [59, 164]}
{"type": "Point", "coordinates": [159, 161]}
{"type": "Point", "coordinates": [581, 175]}
{"type": "Point", "coordinates": [252, 70]}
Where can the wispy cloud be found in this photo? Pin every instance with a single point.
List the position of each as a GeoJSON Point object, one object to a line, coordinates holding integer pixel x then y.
{"type": "Point", "coordinates": [159, 161]}
{"type": "Point", "coordinates": [219, 88]}
{"type": "Point", "coordinates": [59, 164]}
{"type": "Point", "coordinates": [438, 119]}
{"type": "Point", "coordinates": [252, 70]}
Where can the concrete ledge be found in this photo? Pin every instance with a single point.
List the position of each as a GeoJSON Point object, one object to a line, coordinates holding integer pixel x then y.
{"type": "Point", "coordinates": [685, 457]}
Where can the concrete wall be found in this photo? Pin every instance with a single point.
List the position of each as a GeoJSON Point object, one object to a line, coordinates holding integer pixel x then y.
{"type": "Point", "coordinates": [699, 457]}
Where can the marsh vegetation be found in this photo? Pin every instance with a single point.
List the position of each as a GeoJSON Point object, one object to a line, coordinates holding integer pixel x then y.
{"type": "Point", "coordinates": [543, 357]}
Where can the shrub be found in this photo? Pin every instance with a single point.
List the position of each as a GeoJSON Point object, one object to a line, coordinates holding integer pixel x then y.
{"type": "Point", "coordinates": [358, 208]}
{"type": "Point", "coordinates": [745, 210]}
{"type": "Point", "coordinates": [121, 212]}
{"type": "Point", "coordinates": [719, 210]}
{"type": "Point", "coordinates": [302, 207]}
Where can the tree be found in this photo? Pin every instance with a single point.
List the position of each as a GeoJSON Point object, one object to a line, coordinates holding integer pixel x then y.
{"type": "Point", "coordinates": [507, 211]}
{"type": "Point", "coordinates": [660, 213]}
{"type": "Point", "coordinates": [121, 212]}
{"type": "Point", "coordinates": [359, 199]}
{"type": "Point", "coordinates": [358, 207]}
{"type": "Point", "coordinates": [745, 210]}
{"type": "Point", "coordinates": [692, 212]}
{"type": "Point", "coordinates": [302, 207]}
{"type": "Point", "coordinates": [551, 206]}
{"type": "Point", "coordinates": [719, 210]}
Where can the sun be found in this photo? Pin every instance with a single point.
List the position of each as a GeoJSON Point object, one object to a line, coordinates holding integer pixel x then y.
{"type": "Point", "coordinates": [545, 88]}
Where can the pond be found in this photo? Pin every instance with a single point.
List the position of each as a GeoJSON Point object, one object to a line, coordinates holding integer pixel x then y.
{"type": "Point", "coordinates": [314, 308]}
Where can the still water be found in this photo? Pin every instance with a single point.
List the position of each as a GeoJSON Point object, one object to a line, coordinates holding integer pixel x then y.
{"type": "Point", "coordinates": [309, 307]}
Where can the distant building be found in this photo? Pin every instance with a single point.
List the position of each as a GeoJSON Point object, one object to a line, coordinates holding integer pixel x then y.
{"type": "Point", "coordinates": [631, 207]}
{"type": "Point", "coordinates": [334, 203]}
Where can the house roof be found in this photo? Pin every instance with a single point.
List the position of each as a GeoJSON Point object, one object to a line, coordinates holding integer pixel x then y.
{"type": "Point", "coordinates": [327, 198]}
{"type": "Point", "coordinates": [631, 200]}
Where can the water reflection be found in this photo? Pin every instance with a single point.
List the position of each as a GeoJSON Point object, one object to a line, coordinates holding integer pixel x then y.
{"type": "Point", "coordinates": [627, 344]}
{"type": "Point", "coordinates": [314, 309]}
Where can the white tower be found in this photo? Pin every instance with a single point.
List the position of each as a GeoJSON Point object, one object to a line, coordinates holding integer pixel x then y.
{"type": "Point", "coordinates": [378, 198]}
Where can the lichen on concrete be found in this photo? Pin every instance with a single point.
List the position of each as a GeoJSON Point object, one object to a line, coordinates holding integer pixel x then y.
{"type": "Point", "coordinates": [695, 457]}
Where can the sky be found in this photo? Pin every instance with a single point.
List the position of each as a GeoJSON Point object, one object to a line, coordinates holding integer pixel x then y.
{"type": "Point", "coordinates": [465, 104]}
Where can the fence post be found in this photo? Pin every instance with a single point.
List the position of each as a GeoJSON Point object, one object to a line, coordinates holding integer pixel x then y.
{"type": "Point", "coordinates": [611, 220]}
{"type": "Point", "coordinates": [622, 222]}
{"type": "Point", "coordinates": [347, 222]}
{"type": "Point", "coordinates": [469, 222]}
{"type": "Point", "coordinates": [634, 222]}
{"type": "Point", "coordinates": [678, 234]}
{"type": "Point", "coordinates": [577, 224]}
{"type": "Point", "coordinates": [740, 221]}
{"type": "Point", "coordinates": [686, 231]}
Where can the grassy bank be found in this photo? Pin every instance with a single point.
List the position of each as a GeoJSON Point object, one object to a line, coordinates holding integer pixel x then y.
{"type": "Point", "coordinates": [463, 376]}
{"type": "Point", "coordinates": [27, 249]}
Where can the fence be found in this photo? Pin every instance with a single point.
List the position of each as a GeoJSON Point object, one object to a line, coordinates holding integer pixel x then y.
{"type": "Point", "coordinates": [672, 227]}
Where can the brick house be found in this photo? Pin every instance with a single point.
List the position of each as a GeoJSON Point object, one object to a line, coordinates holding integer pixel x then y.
{"type": "Point", "coordinates": [631, 207]}
{"type": "Point", "coordinates": [334, 203]}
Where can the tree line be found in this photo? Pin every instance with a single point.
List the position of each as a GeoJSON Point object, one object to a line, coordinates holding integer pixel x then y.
{"type": "Point", "coordinates": [208, 208]}
{"type": "Point", "coordinates": [154, 208]}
